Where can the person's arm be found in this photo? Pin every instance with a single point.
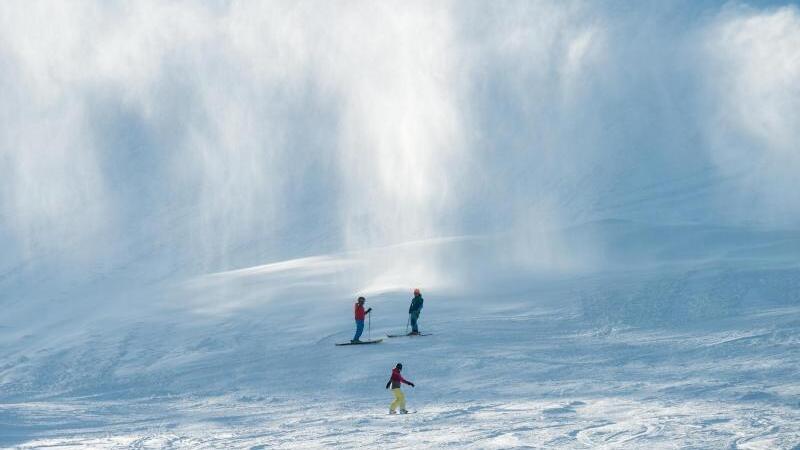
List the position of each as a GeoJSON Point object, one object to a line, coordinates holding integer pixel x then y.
{"type": "Point", "coordinates": [403, 380]}
{"type": "Point", "coordinates": [388, 383]}
{"type": "Point", "coordinates": [368, 310]}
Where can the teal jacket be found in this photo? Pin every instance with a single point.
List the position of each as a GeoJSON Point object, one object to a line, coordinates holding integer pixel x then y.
{"type": "Point", "coordinates": [416, 305]}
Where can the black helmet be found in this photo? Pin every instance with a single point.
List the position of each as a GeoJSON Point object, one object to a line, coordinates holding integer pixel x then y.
{"type": "Point", "coordinates": [399, 366]}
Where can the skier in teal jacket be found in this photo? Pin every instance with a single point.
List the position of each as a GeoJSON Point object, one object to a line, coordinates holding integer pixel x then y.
{"type": "Point", "coordinates": [414, 310]}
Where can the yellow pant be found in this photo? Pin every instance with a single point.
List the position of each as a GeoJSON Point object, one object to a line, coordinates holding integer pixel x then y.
{"type": "Point", "coordinates": [399, 400]}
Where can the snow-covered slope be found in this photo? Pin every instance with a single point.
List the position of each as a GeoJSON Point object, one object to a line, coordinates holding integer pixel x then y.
{"type": "Point", "coordinates": [699, 351]}
{"type": "Point", "coordinates": [597, 201]}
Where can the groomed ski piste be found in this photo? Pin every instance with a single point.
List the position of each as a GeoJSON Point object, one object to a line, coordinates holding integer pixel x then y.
{"type": "Point", "coordinates": [597, 200]}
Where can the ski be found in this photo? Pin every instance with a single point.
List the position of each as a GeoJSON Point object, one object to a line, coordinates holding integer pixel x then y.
{"type": "Point", "coordinates": [374, 341]}
{"type": "Point", "coordinates": [407, 335]}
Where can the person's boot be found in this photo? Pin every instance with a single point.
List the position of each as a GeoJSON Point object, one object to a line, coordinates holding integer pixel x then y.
{"type": "Point", "coordinates": [403, 411]}
{"type": "Point", "coordinates": [354, 341]}
{"type": "Point", "coordinates": [414, 333]}
{"type": "Point", "coordinates": [391, 411]}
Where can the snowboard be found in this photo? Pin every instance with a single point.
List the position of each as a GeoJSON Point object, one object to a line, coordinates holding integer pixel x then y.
{"type": "Point", "coordinates": [400, 414]}
{"type": "Point", "coordinates": [407, 335]}
{"type": "Point", "coordinates": [374, 341]}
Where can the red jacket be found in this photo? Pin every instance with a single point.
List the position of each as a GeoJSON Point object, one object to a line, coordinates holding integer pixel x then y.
{"type": "Point", "coordinates": [396, 379]}
{"type": "Point", "coordinates": [360, 314]}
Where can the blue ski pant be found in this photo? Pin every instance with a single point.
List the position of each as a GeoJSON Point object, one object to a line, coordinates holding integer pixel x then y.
{"type": "Point", "coordinates": [359, 329]}
{"type": "Point", "coordinates": [414, 317]}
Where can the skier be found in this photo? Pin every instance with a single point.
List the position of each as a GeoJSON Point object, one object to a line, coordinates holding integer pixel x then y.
{"type": "Point", "coordinates": [360, 315]}
{"type": "Point", "coordinates": [413, 312]}
{"type": "Point", "coordinates": [399, 399]}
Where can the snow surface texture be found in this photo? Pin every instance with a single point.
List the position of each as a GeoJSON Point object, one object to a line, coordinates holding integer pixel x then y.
{"type": "Point", "coordinates": [598, 201]}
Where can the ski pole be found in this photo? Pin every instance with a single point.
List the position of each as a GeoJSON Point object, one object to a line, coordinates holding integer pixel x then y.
{"type": "Point", "coordinates": [369, 327]}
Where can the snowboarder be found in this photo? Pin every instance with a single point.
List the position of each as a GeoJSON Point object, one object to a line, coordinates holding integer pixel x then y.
{"type": "Point", "coordinates": [414, 310]}
{"type": "Point", "coordinates": [395, 381]}
{"type": "Point", "coordinates": [360, 315]}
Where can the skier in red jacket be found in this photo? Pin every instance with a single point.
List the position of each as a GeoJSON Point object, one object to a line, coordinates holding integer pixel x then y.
{"type": "Point", "coordinates": [395, 381]}
{"type": "Point", "coordinates": [360, 315]}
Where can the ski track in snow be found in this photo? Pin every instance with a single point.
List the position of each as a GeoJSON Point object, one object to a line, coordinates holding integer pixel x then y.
{"type": "Point", "coordinates": [688, 354]}
{"type": "Point", "coordinates": [538, 379]}
{"type": "Point", "coordinates": [606, 423]}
